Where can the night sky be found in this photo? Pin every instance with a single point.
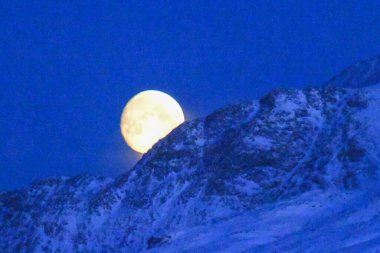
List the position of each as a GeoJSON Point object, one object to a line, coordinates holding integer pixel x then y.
{"type": "Point", "coordinates": [68, 69]}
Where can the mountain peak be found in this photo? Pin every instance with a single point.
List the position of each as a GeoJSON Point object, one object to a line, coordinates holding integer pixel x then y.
{"type": "Point", "coordinates": [361, 74]}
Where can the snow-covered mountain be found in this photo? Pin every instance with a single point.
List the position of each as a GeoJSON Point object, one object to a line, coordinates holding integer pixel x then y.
{"type": "Point", "coordinates": [296, 171]}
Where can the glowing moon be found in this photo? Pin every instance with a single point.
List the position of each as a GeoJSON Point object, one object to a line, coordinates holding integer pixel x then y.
{"type": "Point", "coordinates": [149, 116]}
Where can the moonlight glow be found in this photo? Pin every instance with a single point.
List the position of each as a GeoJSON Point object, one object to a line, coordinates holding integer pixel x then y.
{"type": "Point", "coordinates": [148, 117]}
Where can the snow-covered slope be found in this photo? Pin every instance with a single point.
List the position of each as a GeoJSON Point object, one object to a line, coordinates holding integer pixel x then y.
{"type": "Point", "coordinates": [317, 221]}
{"type": "Point", "coordinates": [296, 171]}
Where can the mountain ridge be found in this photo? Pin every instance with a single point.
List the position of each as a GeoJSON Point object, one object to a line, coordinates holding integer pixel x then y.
{"type": "Point", "coordinates": [239, 159]}
{"type": "Point", "coordinates": [361, 74]}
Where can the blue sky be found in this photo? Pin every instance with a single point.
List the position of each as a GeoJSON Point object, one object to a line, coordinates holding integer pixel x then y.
{"type": "Point", "coordinates": [68, 68]}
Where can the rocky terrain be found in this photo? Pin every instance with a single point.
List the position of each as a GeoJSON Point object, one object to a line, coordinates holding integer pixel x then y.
{"type": "Point", "coordinates": [296, 171]}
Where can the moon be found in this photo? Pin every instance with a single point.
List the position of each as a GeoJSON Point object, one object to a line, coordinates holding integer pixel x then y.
{"type": "Point", "coordinates": [149, 116]}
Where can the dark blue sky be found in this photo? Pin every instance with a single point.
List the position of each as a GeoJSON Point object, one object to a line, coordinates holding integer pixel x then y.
{"type": "Point", "coordinates": [67, 69]}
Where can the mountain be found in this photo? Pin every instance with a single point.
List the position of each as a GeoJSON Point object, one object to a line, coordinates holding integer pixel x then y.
{"type": "Point", "coordinates": [296, 171]}
{"type": "Point", "coordinates": [361, 74]}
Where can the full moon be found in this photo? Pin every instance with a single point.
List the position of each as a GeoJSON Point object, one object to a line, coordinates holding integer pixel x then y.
{"type": "Point", "coordinates": [149, 116]}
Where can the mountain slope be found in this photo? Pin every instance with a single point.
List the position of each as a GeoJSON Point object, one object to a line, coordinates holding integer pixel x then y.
{"type": "Point", "coordinates": [278, 174]}
{"type": "Point", "coordinates": [315, 222]}
{"type": "Point", "coordinates": [361, 74]}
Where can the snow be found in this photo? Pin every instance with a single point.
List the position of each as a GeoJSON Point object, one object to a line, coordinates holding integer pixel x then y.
{"type": "Point", "coordinates": [263, 142]}
{"type": "Point", "coordinates": [310, 223]}
{"type": "Point", "coordinates": [255, 180]}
